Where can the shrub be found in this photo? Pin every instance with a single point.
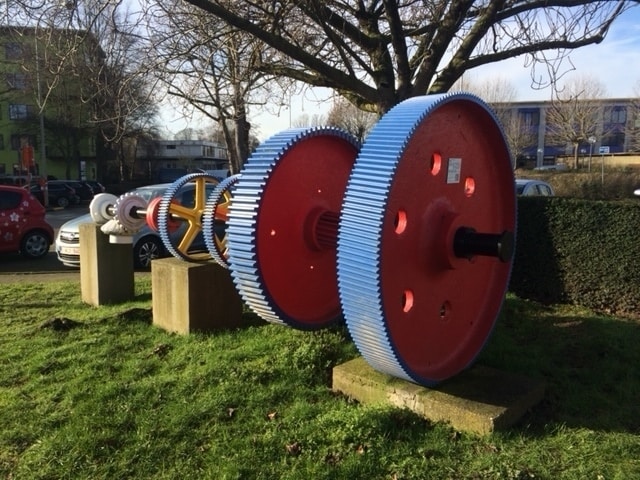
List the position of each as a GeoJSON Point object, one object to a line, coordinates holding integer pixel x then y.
{"type": "Point", "coordinates": [580, 251]}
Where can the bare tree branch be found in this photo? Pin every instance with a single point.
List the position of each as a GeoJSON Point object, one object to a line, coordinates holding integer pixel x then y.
{"type": "Point", "coordinates": [379, 52]}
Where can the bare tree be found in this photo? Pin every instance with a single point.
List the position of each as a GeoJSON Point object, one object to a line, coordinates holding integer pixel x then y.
{"type": "Point", "coordinates": [377, 53]}
{"type": "Point", "coordinates": [494, 90]}
{"type": "Point", "coordinates": [213, 67]}
{"type": "Point", "coordinates": [306, 120]}
{"type": "Point", "coordinates": [121, 86]}
{"type": "Point", "coordinates": [91, 52]}
{"type": "Point", "coordinates": [500, 94]}
{"type": "Point", "coordinates": [350, 118]}
{"type": "Point", "coordinates": [575, 113]}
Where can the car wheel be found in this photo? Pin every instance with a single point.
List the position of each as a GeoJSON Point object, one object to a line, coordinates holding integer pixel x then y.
{"type": "Point", "coordinates": [35, 244]}
{"type": "Point", "coordinates": [145, 250]}
{"type": "Point", "coordinates": [62, 202]}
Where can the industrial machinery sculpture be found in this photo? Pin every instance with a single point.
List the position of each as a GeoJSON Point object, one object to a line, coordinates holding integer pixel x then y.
{"type": "Point", "coordinates": [409, 237]}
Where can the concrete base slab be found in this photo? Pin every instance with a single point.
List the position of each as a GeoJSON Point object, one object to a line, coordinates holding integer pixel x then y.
{"type": "Point", "coordinates": [188, 297]}
{"type": "Point", "coordinates": [106, 269]}
{"type": "Point", "coordinates": [480, 400]}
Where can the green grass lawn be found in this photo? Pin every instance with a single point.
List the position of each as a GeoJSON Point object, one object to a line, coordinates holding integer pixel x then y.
{"type": "Point", "coordinates": [101, 394]}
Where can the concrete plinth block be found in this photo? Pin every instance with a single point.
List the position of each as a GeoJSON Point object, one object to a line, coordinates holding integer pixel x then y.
{"type": "Point", "coordinates": [188, 297]}
{"type": "Point", "coordinates": [480, 400]}
{"type": "Point", "coordinates": [106, 269]}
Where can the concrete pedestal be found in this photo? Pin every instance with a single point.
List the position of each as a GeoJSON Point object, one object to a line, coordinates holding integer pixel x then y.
{"type": "Point", "coordinates": [479, 400]}
{"type": "Point", "coordinates": [106, 269]}
{"type": "Point", "coordinates": [188, 297]}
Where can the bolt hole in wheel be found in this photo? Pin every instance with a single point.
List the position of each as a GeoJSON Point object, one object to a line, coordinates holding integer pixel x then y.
{"type": "Point", "coordinates": [445, 309]}
{"type": "Point", "coordinates": [407, 301]}
{"type": "Point", "coordinates": [400, 222]}
{"type": "Point", "coordinates": [426, 341]}
{"type": "Point", "coordinates": [469, 186]}
{"type": "Point", "coordinates": [436, 163]}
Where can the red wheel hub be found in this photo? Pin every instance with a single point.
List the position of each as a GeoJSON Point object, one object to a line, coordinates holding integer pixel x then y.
{"type": "Point", "coordinates": [152, 216]}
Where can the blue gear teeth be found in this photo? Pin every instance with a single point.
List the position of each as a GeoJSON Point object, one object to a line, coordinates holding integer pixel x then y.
{"type": "Point", "coordinates": [216, 245]}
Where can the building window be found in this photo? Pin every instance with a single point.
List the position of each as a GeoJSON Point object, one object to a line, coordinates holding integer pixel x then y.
{"type": "Point", "coordinates": [171, 147]}
{"type": "Point", "coordinates": [20, 111]}
{"type": "Point", "coordinates": [614, 140]}
{"type": "Point", "coordinates": [13, 51]}
{"type": "Point", "coordinates": [618, 115]}
{"type": "Point", "coordinates": [530, 118]}
{"type": "Point", "coordinates": [20, 139]}
{"type": "Point", "coordinates": [17, 81]}
{"type": "Point", "coordinates": [1, 141]}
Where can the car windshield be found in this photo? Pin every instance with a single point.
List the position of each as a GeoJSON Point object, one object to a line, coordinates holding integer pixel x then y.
{"type": "Point", "coordinates": [185, 196]}
{"type": "Point", "coordinates": [519, 189]}
{"type": "Point", "coordinates": [149, 193]}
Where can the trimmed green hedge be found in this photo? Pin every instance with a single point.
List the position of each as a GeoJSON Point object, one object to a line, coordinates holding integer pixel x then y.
{"type": "Point", "coordinates": [579, 251]}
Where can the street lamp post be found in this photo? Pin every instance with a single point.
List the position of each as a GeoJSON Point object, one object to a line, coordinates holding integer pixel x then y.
{"type": "Point", "coordinates": [591, 140]}
{"type": "Point", "coordinates": [540, 157]}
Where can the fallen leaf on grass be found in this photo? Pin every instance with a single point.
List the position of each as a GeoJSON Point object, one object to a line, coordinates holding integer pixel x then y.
{"type": "Point", "coordinates": [61, 324]}
{"type": "Point", "coordinates": [160, 350]}
{"type": "Point", "coordinates": [332, 458]}
{"type": "Point", "coordinates": [294, 448]}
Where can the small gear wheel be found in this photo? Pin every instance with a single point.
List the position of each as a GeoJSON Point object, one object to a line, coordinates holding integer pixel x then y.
{"type": "Point", "coordinates": [180, 242]}
{"type": "Point", "coordinates": [215, 216]}
{"type": "Point", "coordinates": [99, 207]}
{"type": "Point", "coordinates": [125, 211]}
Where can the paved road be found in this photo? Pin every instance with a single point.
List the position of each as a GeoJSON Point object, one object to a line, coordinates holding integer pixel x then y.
{"type": "Point", "coordinates": [14, 268]}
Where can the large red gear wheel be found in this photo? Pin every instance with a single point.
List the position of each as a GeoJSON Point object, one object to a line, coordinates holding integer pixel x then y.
{"type": "Point", "coordinates": [420, 287]}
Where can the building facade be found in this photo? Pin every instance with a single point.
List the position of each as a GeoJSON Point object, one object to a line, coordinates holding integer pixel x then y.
{"type": "Point", "coordinates": [541, 133]}
{"type": "Point", "coordinates": [166, 160]}
{"type": "Point", "coordinates": [44, 123]}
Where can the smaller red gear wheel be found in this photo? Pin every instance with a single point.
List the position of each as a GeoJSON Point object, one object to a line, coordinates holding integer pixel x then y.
{"type": "Point", "coordinates": [283, 223]}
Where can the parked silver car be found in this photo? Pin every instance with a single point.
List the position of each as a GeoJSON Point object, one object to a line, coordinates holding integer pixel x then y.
{"type": "Point", "coordinates": [147, 243]}
{"type": "Point", "coordinates": [528, 187]}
